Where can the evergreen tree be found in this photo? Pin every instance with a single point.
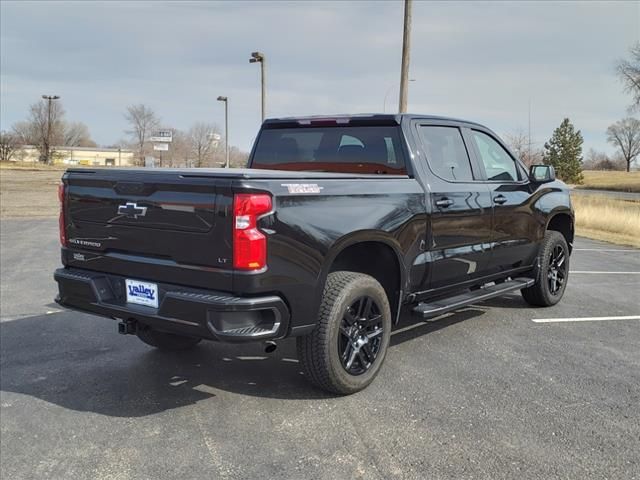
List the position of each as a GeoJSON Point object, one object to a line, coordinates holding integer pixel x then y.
{"type": "Point", "coordinates": [564, 152]}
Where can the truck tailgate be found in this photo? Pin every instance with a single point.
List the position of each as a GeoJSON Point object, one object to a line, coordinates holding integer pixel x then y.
{"type": "Point", "coordinates": [182, 221]}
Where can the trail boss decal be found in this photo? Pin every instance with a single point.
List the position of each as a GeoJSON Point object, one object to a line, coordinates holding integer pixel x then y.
{"type": "Point", "coordinates": [302, 187]}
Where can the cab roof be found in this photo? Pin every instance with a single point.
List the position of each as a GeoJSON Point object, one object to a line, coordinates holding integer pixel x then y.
{"type": "Point", "coordinates": [357, 119]}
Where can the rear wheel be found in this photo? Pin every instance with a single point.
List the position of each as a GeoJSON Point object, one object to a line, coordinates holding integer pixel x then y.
{"type": "Point", "coordinates": [553, 272]}
{"type": "Point", "coordinates": [164, 340]}
{"type": "Point", "coordinates": [346, 350]}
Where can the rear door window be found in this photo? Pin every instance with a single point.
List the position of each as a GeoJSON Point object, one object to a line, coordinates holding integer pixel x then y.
{"type": "Point", "coordinates": [446, 153]}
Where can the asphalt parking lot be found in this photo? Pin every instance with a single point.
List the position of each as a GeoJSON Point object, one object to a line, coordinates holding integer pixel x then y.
{"type": "Point", "coordinates": [482, 393]}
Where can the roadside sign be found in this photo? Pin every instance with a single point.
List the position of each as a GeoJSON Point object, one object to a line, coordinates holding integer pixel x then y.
{"type": "Point", "coordinates": [214, 139]}
{"type": "Point", "coordinates": [162, 136]}
{"type": "Point", "coordinates": [161, 147]}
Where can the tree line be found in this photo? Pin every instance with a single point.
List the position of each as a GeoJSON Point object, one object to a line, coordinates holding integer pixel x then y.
{"type": "Point", "coordinates": [47, 129]}
{"type": "Point", "coordinates": [201, 145]}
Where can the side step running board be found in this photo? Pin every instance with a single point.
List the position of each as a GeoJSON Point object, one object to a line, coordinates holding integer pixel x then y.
{"type": "Point", "coordinates": [445, 305]}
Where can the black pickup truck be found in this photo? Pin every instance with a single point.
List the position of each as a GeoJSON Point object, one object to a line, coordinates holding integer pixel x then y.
{"type": "Point", "coordinates": [337, 226]}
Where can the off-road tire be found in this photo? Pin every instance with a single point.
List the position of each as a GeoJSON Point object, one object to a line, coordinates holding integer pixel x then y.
{"type": "Point", "coordinates": [165, 341]}
{"type": "Point", "coordinates": [318, 351]}
{"type": "Point", "coordinates": [539, 294]}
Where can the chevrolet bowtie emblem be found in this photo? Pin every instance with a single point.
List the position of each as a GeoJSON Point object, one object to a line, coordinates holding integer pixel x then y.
{"type": "Point", "coordinates": [131, 209]}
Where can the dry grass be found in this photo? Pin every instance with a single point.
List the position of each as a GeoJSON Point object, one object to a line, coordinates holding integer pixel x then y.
{"type": "Point", "coordinates": [31, 166]}
{"type": "Point", "coordinates": [29, 193]}
{"type": "Point", "coordinates": [608, 219]}
{"type": "Point", "coordinates": [618, 181]}
{"type": "Point", "coordinates": [30, 189]}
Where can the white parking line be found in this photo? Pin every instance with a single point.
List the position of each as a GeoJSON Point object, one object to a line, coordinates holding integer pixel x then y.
{"type": "Point", "coordinates": [605, 250]}
{"type": "Point", "coordinates": [584, 319]}
{"type": "Point", "coordinates": [606, 273]}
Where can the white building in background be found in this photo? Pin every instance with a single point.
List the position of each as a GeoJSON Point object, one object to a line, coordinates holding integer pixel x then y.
{"type": "Point", "coordinates": [103, 157]}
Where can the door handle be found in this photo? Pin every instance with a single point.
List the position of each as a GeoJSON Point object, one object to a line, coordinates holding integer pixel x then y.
{"type": "Point", "coordinates": [500, 199]}
{"type": "Point", "coordinates": [444, 202]}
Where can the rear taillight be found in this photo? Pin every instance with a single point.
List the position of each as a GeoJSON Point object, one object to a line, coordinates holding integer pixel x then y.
{"type": "Point", "coordinates": [249, 243]}
{"type": "Point", "coordinates": [61, 218]}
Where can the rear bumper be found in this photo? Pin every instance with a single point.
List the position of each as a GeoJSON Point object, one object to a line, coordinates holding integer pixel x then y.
{"type": "Point", "coordinates": [194, 312]}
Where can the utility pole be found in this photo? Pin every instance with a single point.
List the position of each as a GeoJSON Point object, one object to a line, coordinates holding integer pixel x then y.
{"type": "Point", "coordinates": [226, 129]}
{"type": "Point", "coordinates": [47, 147]}
{"type": "Point", "coordinates": [406, 46]}
{"type": "Point", "coordinates": [529, 139]}
{"type": "Point", "coordinates": [258, 57]}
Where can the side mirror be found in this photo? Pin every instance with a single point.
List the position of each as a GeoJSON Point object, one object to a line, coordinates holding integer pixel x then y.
{"type": "Point", "coordinates": [542, 173]}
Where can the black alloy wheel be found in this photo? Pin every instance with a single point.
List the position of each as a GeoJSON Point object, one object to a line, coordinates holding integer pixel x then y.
{"type": "Point", "coordinates": [360, 336]}
{"type": "Point", "coordinates": [552, 273]}
{"type": "Point", "coordinates": [345, 351]}
{"type": "Point", "coordinates": [557, 272]}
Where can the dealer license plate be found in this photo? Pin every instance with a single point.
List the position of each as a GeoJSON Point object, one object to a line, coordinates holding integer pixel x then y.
{"type": "Point", "coordinates": [142, 293]}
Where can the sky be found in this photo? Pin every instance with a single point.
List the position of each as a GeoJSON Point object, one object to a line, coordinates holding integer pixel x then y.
{"type": "Point", "coordinates": [481, 61]}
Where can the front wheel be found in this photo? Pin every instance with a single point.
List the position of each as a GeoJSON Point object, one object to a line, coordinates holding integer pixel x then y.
{"type": "Point", "coordinates": [553, 272]}
{"type": "Point", "coordinates": [347, 348]}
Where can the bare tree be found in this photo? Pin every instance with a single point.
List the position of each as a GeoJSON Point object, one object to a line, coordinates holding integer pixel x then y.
{"type": "Point", "coordinates": [43, 129]}
{"type": "Point", "coordinates": [142, 121]}
{"type": "Point", "coordinates": [625, 135]}
{"type": "Point", "coordinates": [180, 149]}
{"type": "Point", "coordinates": [46, 135]}
{"type": "Point", "coordinates": [76, 134]}
{"type": "Point", "coordinates": [629, 72]}
{"type": "Point", "coordinates": [8, 146]}
{"type": "Point", "coordinates": [238, 158]}
{"type": "Point", "coordinates": [518, 142]}
{"type": "Point", "coordinates": [595, 160]}
{"type": "Point", "coordinates": [24, 132]}
{"type": "Point", "coordinates": [522, 146]}
{"type": "Point", "coordinates": [203, 143]}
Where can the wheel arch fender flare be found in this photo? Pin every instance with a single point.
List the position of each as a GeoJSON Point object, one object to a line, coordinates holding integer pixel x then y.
{"type": "Point", "coordinates": [365, 237]}
{"type": "Point", "coordinates": [556, 218]}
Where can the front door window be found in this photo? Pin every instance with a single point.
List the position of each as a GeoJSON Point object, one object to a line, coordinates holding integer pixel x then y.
{"type": "Point", "coordinates": [497, 162]}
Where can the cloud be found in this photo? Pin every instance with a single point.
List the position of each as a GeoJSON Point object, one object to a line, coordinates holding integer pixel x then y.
{"type": "Point", "coordinates": [482, 61]}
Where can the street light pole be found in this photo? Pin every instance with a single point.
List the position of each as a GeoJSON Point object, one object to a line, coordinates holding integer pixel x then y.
{"type": "Point", "coordinates": [406, 46]}
{"type": "Point", "coordinates": [226, 128]}
{"type": "Point", "coordinates": [263, 86]}
{"type": "Point", "coordinates": [258, 57]}
{"type": "Point", "coordinates": [47, 148]}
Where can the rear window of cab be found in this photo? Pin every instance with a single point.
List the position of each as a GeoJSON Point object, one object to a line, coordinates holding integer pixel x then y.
{"type": "Point", "coordinates": [342, 149]}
